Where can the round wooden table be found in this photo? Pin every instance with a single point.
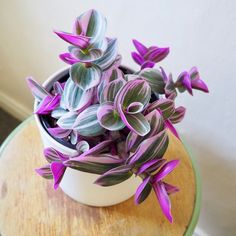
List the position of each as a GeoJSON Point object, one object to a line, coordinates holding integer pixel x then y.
{"type": "Point", "coordinates": [30, 206]}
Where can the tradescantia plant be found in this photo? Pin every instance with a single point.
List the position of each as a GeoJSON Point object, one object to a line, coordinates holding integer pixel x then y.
{"type": "Point", "coordinates": [117, 122]}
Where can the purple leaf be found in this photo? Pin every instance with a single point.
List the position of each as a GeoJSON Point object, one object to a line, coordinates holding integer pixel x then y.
{"type": "Point", "coordinates": [58, 170]}
{"type": "Point", "coordinates": [147, 64]}
{"type": "Point", "coordinates": [68, 58]}
{"type": "Point", "coordinates": [143, 191]}
{"type": "Point", "coordinates": [48, 104]}
{"type": "Point", "coordinates": [170, 188]}
{"type": "Point", "coordinates": [156, 54]}
{"type": "Point", "coordinates": [169, 126]}
{"type": "Point", "coordinates": [196, 82]}
{"type": "Point", "coordinates": [137, 58]}
{"type": "Point", "coordinates": [140, 47]}
{"type": "Point", "coordinates": [59, 132]}
{"type": "Point", "coordinates": [185, 81]}
{"type": "Point", "coordinates": [76, 40]}
{"type": "Point", "coordinates": [163, 199]}
{"type": "Point", "coordinates": [165, 170]}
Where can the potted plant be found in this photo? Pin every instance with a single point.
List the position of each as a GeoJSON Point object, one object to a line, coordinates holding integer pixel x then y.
{"type": "Point", "coordinates": [105, 126]}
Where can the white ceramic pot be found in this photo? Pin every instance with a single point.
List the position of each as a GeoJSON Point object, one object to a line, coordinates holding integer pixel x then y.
{"type": "Point", "coordinates": [80, 185]}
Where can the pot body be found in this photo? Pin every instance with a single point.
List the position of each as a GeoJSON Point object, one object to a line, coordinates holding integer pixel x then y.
{"type": "Point", "coordinates": [80, 185]}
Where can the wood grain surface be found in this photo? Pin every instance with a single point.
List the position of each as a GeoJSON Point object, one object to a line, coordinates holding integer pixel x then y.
{"type": "Point", "coordinates": [29, 206]}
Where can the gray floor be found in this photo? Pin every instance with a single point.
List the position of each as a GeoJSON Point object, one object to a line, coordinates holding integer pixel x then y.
{"type": "Point", "coordinates": [7, 124]}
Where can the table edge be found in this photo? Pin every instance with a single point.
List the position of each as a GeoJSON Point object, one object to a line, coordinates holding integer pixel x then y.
{"type": "Point", "coordinates": [196, 211]}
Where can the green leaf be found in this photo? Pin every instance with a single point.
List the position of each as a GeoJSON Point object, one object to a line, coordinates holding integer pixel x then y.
{"type": "Point", "coordinates": [87, 123]}
{"type": "Point", "coordinates": [85, 77]}
{"type": "Point", "coordinates": [155, 79]}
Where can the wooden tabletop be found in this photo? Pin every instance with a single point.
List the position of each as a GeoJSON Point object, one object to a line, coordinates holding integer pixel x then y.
{"type": "Point", "coordinates": [30, 207]}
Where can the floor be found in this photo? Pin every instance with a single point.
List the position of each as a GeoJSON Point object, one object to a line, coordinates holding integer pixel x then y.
{"type": "Point", "coordinates": [7, 124]}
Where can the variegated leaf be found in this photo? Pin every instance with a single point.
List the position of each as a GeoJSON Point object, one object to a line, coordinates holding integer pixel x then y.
{"type": "Point", "coordinates": [156, 125]}
{"type": "Point", "coordinates": [85, 76]}
{"type": "Point", "coordinates": [137, 123]}
{"type": "Point", "coordinates": [143, 191]}
{"type": "Point", "coordinates": [150, 148]}
{"type": "Point", "coordinates": [58, 112]}
{"type": "Point", "coordinates": [109, 57]}
{"type": "Point", "coordinates": [178, 115]}
{"type": "Point", "coordinates": [75, 98]}
{"type": "Point", "coordinates": [87, 123]}
{"type": "Point", "coordinates": [165, 106]}
{"type": "Point", "coordinates": [59, 132]}
{"type": "Point", "coordinates": [109, 118]}
{"type": "Point", "coordinates": [67, 121]}
{"type": "Point", "coordinates": [36, 89]}
{"type": "Point", "coordinates": [45, 172]}
{"type": "Point", "coordinates": [110, 90]}
{"type": "Point", "coordinates": [92, 24]}
{"type": "Point", "coordinates": [155, 79]}
{"type": "Point", "coordinates": [114, 176]}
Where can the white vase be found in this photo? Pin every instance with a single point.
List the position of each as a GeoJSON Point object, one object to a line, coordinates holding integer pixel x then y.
{"type": "Point", "coordinates": [80, 185]}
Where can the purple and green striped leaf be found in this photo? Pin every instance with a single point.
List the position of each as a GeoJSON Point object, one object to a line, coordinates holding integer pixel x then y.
{"type": "Point", "coordinates": [87, 123]}
{"type": "Point", "coordinates": [67, 121]}
{"type": "Point", "coordinates": [143, 191]}
{"type": "Point", "coordinates": [110, 91]}
{"type": "Point", "coordinates": [52, 155]}
{"type": "Point", "coordinates": [84, 76]}
{"type": "Point", "coordinates": [92, 24]}
{"type": "Point", "coordinates": [151, 166]}
{"type": "Point", "coordinates": [45, 172]}
{"type": "Point", "coordinates": [156, 125]}
{"type": "Point", "coordinates": [75, 98]}
{"type": "Point", "coordinates": [155, 79]}
{"type": "Point", "coordinates": [165, 106]}
{"type": "Point", "coordinates": [178, 115]}
{"type": "Point", "coordinates": [114, 176]}
{"type": "Point", "coordinates": [150, 148]}
{"type": "Point", "coordinates": [109, 57]}
{"type": "Point", "coordinates": [109, 118]}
